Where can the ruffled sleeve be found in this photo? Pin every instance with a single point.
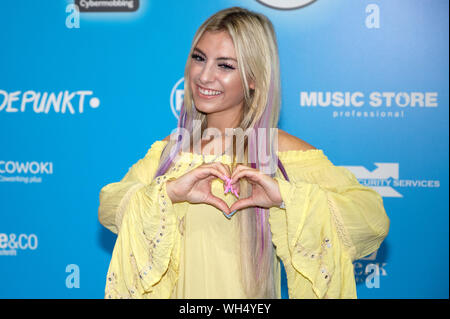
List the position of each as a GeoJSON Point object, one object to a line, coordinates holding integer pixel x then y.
{"type": "Point", "coordinates": [115, 197]}
{"type": "Point", "coordinates": [144, 262]}
{"type": "Point", "coordinates": [329, 220]}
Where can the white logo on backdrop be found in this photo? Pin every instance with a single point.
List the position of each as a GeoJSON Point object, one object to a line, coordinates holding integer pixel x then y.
{"type": "Point", "coordinates": [9, 244]}
{"type": "Point", "coordinates": [368, 270]}
{"type": "Point", "coordinates": [386, 176]}
{"type": "Point", "coordinates": [176, 97]}
{"type": "Point", "coordinates": [73, 278]}
{"type": "Point", "coordinates": [73, 17]}
{"type": "Point", "coordinates": [14, 171]}
{"type": "Point", "coordinates": [286, 4]}
{"type": "Point", "coordinates": [45, 102]}
{"type": "Point", "coordinates": [108, 5]}
{"type": "Point", "coordinates": [373, 18]}
{"type": "Point", "coordinates": [375, 105]}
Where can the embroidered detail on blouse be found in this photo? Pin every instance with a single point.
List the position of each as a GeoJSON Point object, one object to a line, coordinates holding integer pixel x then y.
{"type": "Point", "coordinates": [317, 255]}
{"type": "Point", "coordinates": [163, 210]}
{"type": "Point", "coordinates": [133, 289]}
{"type": "Point", "coordinates": [341, 230]}
{"type": "Point", "coordinates": [175, 168]}
{"type": "Point", "coordinates": [111, 292]}
{"type": "Point", "coordinates": [160, 234]}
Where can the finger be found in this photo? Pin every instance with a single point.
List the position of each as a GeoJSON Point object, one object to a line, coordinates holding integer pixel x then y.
{"type": "Point", "coordinates": [241, 204]}
{"type": "Point", "coordinates": [237, 187]}
{"type": "Point", "coordinates": [226, 175]}
{"type": "Point", "coordinates": [239, 168]}
{"type": "Point", "coordinates": [205, 172]}
{"type": "Point", "coordinates": [250, 174]}
{"type": "Point", "coordinates": [227, 168]}
{"type": "Point", "coordinates": [220, 167]}
{"type": "Point", "coordinates": [230, 214]}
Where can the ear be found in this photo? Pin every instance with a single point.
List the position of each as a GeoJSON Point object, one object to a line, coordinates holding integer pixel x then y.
{"type": "Point", "coordinates": [251, 85]}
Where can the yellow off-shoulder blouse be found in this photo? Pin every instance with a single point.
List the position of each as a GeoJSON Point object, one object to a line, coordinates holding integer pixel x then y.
{"type": "Point", "coordinates": [183, 250]}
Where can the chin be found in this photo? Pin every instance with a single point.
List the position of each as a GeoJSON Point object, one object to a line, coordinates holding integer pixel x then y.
{"type": "Point", "coordinates": [205, 110]}
{"type": "Point", "coordinates": [202, 108]}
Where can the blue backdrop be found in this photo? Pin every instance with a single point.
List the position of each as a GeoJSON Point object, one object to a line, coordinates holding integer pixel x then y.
{"type": "Point", "coordinates": [84, 95]}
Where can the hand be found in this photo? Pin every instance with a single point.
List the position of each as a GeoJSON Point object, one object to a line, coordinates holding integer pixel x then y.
{"type": "Point", "coordinates": [195, 186]}
{"type": "Point", "coordinates": [265, 189]}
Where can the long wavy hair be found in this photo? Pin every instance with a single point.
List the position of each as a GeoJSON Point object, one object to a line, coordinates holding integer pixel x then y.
{"type": "Point", "coordinates": [255, 43]}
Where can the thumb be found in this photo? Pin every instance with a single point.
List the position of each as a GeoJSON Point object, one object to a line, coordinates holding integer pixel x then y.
{"type": "Point", "coordinates": [241, 204]}
{"type": "Point", "coordinates": [218, 203]}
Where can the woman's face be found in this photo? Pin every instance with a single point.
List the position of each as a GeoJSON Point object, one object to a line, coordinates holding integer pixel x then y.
{"type": "Point", "coordinates": [214, 76]}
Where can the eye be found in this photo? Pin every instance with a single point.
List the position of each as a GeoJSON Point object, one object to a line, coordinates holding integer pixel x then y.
{"type": "Point", "coordinates": [197, 57]}
{"type": "Point", "coordinates": [227, 66]}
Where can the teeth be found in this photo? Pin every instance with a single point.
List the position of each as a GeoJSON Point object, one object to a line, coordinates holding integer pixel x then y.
{"type": "Point", "coordinates": [209, 92]}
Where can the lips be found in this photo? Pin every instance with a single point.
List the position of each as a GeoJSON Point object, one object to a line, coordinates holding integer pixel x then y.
{"type": "Point", "coordinates": [204, 96]}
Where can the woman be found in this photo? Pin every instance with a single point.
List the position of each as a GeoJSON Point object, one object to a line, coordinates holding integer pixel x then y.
{"type": "Point", "coordinates": [179, 236]}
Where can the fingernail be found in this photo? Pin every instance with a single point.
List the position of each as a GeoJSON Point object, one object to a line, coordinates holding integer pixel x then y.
{"type": "Point", "coordinates": [231, 214]}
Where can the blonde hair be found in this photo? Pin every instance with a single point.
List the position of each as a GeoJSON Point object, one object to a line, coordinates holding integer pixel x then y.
{"type": "Point", "coordinates": [255, 44]}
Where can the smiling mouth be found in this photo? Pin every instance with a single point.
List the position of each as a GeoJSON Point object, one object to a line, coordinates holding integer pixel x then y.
{"type": "Point", "coordinates": [208, 94]}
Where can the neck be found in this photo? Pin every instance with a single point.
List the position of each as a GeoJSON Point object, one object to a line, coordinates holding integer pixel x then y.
{"type": "Point", "coordinates": [224, 122]}
{"type": "Point", "coordinates": [230, 118]}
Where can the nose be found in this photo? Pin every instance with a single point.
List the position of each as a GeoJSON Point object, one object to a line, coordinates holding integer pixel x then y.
{"type": "Point", "coordinates": [207, 74]}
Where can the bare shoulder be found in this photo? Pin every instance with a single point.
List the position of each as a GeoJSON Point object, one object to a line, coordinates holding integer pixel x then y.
{"type": "Point", "coordinates": [288, 142]}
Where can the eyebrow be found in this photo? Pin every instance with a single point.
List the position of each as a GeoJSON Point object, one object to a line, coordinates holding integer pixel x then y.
{"type": "Point", "coordinates": [219, 58]}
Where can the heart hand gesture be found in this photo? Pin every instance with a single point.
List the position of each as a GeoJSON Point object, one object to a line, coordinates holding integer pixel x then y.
{"type": "Point", "coordinates": [265, 190]}
{"type": "Point", "coordinates": [195, 186]}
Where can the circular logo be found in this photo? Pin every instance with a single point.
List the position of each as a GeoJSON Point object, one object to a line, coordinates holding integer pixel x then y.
{"type": "Point", "coordinates": [286, 4]}
{"type": "Point", "coordinates": [176, 97]}
{"type": "Point", "coordinates": [94, 102]}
